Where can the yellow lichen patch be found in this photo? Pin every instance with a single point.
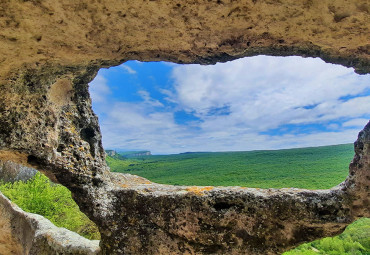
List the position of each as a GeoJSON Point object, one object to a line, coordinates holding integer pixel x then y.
{"type": "Point", "coordinates": [199, 190]}
{"type": "Point", "coordinates": [143, 181]}
{"type": "Point", "coordinates": [208, 188]}
{"type": "Point", "coordinates": [72, 129]}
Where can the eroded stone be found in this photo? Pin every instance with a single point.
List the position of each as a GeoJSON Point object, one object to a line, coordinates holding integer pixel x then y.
{"type": "Point", "coordinates": [28, 233]}
{"type": "Point", "coordinates": [51, 50]}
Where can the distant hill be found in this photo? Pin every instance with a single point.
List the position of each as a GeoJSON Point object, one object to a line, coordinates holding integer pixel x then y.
{"type": "Point", "coordinates": [310, 168]}
{"type": "Point", "coordinates": [126, 154]}
{"type": "Point", "coordinates": [113, 154]}
{"type": "Point", "coordinates": [132, 154]}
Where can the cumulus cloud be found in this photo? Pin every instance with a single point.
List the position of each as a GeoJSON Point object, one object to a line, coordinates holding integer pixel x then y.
{"type": "Point", "coordinates": [139, 126]}
{"type": "Point", "coordinates": [358, 123]}
{"type": "Point", "coordinates": [247, 104]}
{"type": "Point", "coordinates": [266, 92]}
{"type": "Point", "coordinates": [99, 89]}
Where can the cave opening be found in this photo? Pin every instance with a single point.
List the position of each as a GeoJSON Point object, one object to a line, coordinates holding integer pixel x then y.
{"type": "Point", "coordinates": [258, 104]}
{"type": "Point", "coordinates": [65, 42]}
{"type": "Point", "coordinates": [34, 192]}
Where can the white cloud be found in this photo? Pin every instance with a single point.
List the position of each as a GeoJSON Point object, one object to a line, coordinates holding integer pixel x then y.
{"type": "Point", "coordinates": [237, 103]}
{"type": "Point", "coordinates": [99, 89]}
{"type": "Point", "coordinates": [148, 100]}
{"type": "Point", "coordinates": [128, 69]}
{"type": "Point", "coordinates": [138, 126]}
{"type": "Point", "coordinates": [266, 92]}
{"type": "Point", "coordinates": [160, 134]}
{"type": "Point", "coordinates": [358, 123]}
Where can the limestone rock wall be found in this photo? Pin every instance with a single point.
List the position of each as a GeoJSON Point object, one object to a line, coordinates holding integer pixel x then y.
{"type": "Point", "coordinates": [51, 50]}
{"type": "Point", "coordinates": [68, 32]}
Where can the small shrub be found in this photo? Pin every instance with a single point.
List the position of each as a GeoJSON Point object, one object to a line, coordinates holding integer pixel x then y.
{"type": "Point", "coordinates": [353, 241]}
{"type": "Point", "coordinates": [53, 201]}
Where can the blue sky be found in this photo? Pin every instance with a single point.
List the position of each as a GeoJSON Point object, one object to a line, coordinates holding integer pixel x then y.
{"type": "Point", "coordinates": [247, 104]}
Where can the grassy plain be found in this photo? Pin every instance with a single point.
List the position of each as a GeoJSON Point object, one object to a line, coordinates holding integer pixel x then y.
{"type": "Point", "coordinates": [309, 168]}
{"type": "Point", "coordinates": [312, 168]}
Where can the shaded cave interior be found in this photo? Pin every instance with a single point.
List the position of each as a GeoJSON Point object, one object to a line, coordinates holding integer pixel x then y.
{"type": "Point", "coordinates": [51, 50]}
{"type": "Point", "coordinates": [85, 136]}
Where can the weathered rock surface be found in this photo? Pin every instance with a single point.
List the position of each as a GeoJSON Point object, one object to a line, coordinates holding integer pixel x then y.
{"type": "Point", "coordinates": [28, 233]}
{"type": "Point", "coordinates": [83, 32]}
{"type": "Point", "coordinates": [11, 172]}
{"type": "Point", "coordinates": [51, 50]}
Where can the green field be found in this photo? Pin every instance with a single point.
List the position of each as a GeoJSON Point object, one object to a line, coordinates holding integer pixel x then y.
{"type": "Point", "coordinates": [309, 168]}
{"type": "Point", "coordinates": [319, 167]}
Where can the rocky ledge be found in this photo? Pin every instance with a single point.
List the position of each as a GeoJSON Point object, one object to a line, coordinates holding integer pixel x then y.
{"type": "Point", "coordinates": [28, 233]}
{"type": "Point", "coordinates": [51, 50]}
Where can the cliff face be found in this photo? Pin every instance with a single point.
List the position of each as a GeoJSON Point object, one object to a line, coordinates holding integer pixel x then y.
{"type": "Point", "coordinates": [51, 50]}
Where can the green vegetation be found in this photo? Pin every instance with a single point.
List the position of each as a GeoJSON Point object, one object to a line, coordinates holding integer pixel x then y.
{"type": "Point", "coordinates": [310, 168]}
{"type": "Point", "coordinates": [313, 168]}
{"type": "Point", "coordinates": [355, 240]}
{"type": "Point", "coordinates": [116, 163]}
{"type": "Point", "coordinates": [53, 201]}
